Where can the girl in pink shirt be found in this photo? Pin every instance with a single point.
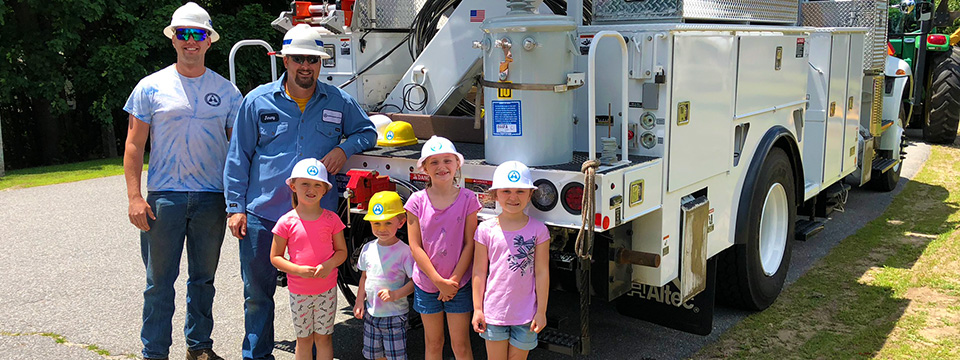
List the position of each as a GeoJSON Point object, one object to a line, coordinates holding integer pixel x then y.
{"type": "Point", "coordinates": [511, 269]}
{"type": "Point", "coordinates": [313, 238]}
{"type": "Point", "coordinates": [441, 221]}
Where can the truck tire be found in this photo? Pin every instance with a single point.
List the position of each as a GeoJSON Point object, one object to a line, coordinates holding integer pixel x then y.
{"type": "Point", "coordinates": [944, 100]}
{"type": "Point", "coordinates": [751, 273]}
{"type": "Point", "coordinates": [887, 181]}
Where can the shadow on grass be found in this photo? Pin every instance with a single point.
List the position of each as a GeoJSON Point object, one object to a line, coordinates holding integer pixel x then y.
{"type": "Point", "coordinates": [850, 303]}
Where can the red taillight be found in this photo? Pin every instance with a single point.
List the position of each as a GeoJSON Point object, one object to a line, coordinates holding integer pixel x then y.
{"type": "Point", "coordinates": [890, 50]}
{"type": "Point", "coordinates": [936, 39]}
{"type": "Point", "coordinates": [572, 196]}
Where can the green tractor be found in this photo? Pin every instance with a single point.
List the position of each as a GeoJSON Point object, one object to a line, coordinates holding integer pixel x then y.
{"type": "Point", "coordinates": [933, 98]}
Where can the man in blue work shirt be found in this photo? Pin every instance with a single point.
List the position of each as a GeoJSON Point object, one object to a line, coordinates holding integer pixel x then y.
{"type": "Point", "coordinates": [187, 110]}
{"type": "Point", "coordinates": [278, 124]}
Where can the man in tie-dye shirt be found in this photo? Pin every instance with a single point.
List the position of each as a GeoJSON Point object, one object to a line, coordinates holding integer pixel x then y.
{"type": "Point", "coordinates": [188, 112]}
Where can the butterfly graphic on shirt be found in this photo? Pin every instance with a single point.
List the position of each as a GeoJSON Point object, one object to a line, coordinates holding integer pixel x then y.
{"type": "Point", "coordinates": [524, 257]}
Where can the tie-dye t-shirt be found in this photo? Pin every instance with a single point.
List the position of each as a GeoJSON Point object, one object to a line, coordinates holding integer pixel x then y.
{"type": "Point", "coordinates": [511, 294]}
{"type": "Point", "coordinates": [387, 267]}
{"type": "Point", "coordinates": [187, 118]}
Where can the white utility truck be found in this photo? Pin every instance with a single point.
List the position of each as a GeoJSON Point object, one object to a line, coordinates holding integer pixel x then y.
{"type": "Point", "coordinates": [679, 146]}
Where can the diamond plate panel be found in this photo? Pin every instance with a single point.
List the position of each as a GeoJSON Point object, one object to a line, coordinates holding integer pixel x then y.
{"type": "Point", "coordinates": [870, 14]}
{"type": "Point", "coordinates": [758, 11]}
{"type": "Point", "coordinates": [392, 14]}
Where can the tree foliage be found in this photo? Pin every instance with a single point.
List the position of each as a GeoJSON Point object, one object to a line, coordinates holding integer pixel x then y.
{"type": "Point", "coordinates": [68, 66]}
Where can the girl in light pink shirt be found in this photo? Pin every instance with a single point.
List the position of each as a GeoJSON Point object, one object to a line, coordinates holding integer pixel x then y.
{"type": "Point", "coordinates": [441, 221]}
{"type": "Point", "coordinates": [511, 269]}
{"type": "Point", "coordinates": [313, 238]}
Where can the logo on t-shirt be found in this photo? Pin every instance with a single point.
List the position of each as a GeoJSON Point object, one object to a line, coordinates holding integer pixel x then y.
{"type": "Point", "coordinates": [378, 209]}
{"type": "Point", "coordinates": [313, 170]}
{"type": "Point", "coordinates": [524, 256]}
{"type": "Point", "coordinates": [513, 176]}
{"type": "Point", "coordinates": [212, 99]}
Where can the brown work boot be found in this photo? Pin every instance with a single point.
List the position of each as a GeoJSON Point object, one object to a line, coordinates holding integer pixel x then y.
{"type": "Point", "coordinates": [202, 354]}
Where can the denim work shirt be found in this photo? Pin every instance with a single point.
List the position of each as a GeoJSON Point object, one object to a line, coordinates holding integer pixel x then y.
{"type": "Point", "coordinates": [271, 135]}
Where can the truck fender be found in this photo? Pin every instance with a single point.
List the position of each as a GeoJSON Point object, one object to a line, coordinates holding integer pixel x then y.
{"type": "Point", "coordinates": [777, 136]}
{"type": "Point", "coordinates": [890, 139]}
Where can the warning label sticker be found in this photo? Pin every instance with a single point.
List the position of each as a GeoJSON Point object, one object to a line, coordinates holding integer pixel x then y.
{"type": "Point", "coordinates": [800, 47]}
{"type": "Point", "coordinates": [507, 118]}
{"type": "Point", "coordinates": [584, 43]}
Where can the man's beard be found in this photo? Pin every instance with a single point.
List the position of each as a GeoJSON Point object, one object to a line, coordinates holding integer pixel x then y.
{"type": "Point", "coordinates": [302, 82]}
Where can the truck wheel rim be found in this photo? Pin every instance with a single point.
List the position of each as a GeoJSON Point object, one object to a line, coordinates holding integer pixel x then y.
{"type": "Point", "coordinates": [773, 229]}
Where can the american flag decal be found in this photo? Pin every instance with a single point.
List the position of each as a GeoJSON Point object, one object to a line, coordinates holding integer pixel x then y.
{"type": "Point", "coordinates": [477, 15]}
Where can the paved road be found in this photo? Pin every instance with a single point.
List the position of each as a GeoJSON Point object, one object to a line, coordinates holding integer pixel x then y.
{"type": "Point", "coordinates": [71, 266]}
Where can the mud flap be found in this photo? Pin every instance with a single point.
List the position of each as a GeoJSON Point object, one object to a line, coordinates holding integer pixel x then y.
{"type": "Point", "coordinates": [663, 305]}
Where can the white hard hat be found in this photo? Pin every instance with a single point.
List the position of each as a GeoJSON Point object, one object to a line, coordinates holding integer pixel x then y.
{"type": "Point", "coordinates": [436, 146]}
{"type": "Point", "coordinates": [380, 122]}
{"type": "Point", "coordinates": [309, 168]}
{"type": "Point", "coordinates": [303, 40]}
{"type": "Point", "coordinates": [191, 15]}
{"type": "Point", "coordinates": [512, 175]}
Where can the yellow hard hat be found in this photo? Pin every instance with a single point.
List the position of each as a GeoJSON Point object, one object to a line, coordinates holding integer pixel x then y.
{"type": "Point", "coordinates": [398, 133]}
{"type": "Point", "coordinates": [384, 205]}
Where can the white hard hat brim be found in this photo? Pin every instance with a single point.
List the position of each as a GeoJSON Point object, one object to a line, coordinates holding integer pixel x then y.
{"type": "Point", "coordinates": [169, 31]}
{"type": "Point", "coordinates": [297, 51]}
{"type": "Point", "coordinates": [290, 180]}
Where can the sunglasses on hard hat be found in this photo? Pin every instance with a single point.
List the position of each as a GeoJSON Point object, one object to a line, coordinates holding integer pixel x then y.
{"type": "Point", "coordinates": [197, 34]}
{"type": "Point", "coordinates": [299, 59]}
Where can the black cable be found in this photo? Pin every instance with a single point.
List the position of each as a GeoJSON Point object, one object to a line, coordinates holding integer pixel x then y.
{"type": "Point", "coordinates": [414, 106]}
{"type": "Point", "coordinates": [374, 63]}
{"type": "Point", "coordinates": [380, 108]}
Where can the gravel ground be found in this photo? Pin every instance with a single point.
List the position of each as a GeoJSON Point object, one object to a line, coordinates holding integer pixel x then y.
{"type": "Point", "coordinates": [72, 267]}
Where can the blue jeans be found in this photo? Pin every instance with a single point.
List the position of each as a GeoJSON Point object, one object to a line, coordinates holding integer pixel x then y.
{"type": "Point", "coordinates": [200, 218]}
{"type": "Point", "coordinates": [259, 285]}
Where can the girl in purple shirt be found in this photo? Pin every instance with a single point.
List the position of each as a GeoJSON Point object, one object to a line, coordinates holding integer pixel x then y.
{"type": "Point", "coordinates": [511, 269]}
{"type": "Point", "coordinates": [441, 221]}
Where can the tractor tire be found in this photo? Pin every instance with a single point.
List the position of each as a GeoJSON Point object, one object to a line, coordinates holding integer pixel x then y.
{"type": "Point", "coordinates": [751, 273]}
{"type": "Point", "coordinates": [943, 115]}
{"type": "Point", "coordinates": [887, 181]}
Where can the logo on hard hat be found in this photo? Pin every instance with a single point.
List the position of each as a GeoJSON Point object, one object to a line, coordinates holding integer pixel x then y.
{"type": "Point", "coordinates": [436, 147]}
{"type": "Point", "coordinates": [313, 170]}
{"type": "Point", "coordinates": [389, 135]}
{"type": "Point", "coordinates": [212, 99]}
{"type": "Point", "coordinates": [513, 176]}
{"type": "Point", "coordinates": [377, 209]}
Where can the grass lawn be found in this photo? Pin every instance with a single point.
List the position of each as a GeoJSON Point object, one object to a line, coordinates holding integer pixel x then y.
{"type": "Point", "coordinates": [890, 291]}
{"type": "Point", "coordinates": [56, 174]}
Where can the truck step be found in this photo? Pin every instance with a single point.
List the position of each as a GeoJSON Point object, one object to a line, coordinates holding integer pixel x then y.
{"type": "Point", "coordinates": [806, 229]}
{"type": "Point", "coordinates": [883, 165]}
{"type": "Point", "coordinates": [558, 341]}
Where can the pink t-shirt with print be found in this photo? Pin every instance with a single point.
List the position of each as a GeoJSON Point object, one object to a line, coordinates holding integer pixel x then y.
{"type": "Point", "coordinates": [309, 243]}
{"type": "Point", "coordinates": [441, 233]}
{"type": "Point", "coordinates": [511, 294]}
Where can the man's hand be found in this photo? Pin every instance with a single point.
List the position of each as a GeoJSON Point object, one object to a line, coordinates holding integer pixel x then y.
{"type": "Point", "coordinates": [138, 212]}
{"type": "Point", "coordinates": [334, 160]}
{"type": "Point", "coordinates": [237, 222]}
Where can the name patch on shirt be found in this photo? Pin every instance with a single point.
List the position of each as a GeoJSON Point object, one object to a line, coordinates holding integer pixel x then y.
{"type": "Point", "coordinates": [268, 118]}
{"type": "Point", "coordinates": [331, 116]}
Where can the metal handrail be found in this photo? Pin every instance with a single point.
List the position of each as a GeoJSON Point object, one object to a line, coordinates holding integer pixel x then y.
{"type": "Point", "coordinates": [592, 93]}
{"type": "Point", "coordinates": [242, 43]}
